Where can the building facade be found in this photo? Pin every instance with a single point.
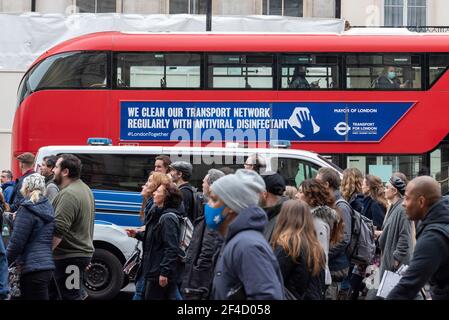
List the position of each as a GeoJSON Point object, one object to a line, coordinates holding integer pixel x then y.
{"type": "Point", "coordinates": [298, 8]}
{"type": "Point", "coordinates": [396, 12]}
{"type": "Point", "coordinates": [357, 12]}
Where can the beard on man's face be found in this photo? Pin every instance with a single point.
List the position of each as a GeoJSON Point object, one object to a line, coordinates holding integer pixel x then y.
{"type": "Point", "coordinates": [58, 179]}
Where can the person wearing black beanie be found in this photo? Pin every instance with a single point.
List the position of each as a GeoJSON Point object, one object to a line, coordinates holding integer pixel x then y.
{"type": "Point", "coordinates": [396, 237]}
{"type": "Point", "coordinates": [272, 199]}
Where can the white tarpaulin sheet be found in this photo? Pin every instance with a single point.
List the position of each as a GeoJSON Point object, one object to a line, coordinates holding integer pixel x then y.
{"type": "Point", "coordinates": [24, 37]}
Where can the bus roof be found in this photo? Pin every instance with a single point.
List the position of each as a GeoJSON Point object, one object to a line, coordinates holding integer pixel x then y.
{"type": "Point", "coordinates": [253, 42]}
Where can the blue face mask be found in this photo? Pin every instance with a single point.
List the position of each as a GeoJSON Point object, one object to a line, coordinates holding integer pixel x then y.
{"type": "Point", "coordinates": [391, 75]}
{"type": "Point", "coordinates": [213, 216]}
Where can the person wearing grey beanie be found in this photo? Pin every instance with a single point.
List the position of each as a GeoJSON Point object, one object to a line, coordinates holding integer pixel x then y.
{"type": "Point", "coordinates": [247, 267]}
{"type": "Point", "coordinates": [240, 190]}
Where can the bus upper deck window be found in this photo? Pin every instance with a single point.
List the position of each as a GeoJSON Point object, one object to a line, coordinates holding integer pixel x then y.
{"type": "Point", "coordinates": [245, 71]}
{"type": "Point", "coordinates": [158, 70]}
{"type": "Point", "coordinates": [387, 71]}
{"type": "Point", "coordinates": [438, 64]}
{"type": "Point", "coordinates": [309, 71]}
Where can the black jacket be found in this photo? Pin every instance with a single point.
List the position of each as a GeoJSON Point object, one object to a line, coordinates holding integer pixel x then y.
{"type": "Point", "coordinates": [201, 255]}
{"type": "Point", "coordinates": [430, 261]}
{"type": "Point", "coordinates": [161, 244]}
{"type": "Point", "coordinates": [356, 202]}
{"type": "Point", "coordinates": [374, 211]}
{"type": "Point", "coordinates": [297, 278]}
{"type": "Point", "coordinates": [188, 194]}
{"type": "Point", "coordinates": [31, 241]}
{"type": "Point", "coordinates": [272, 213]}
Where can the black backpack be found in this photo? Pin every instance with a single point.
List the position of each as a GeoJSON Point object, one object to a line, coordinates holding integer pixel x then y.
{"type": "Point", "coordinates": [197, 204]}
{"type": "Point", "coordinates": [362, 247]}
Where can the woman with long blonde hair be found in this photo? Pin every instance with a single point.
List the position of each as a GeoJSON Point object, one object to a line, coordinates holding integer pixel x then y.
{"type": "Point", "coordinates": [299, 253]}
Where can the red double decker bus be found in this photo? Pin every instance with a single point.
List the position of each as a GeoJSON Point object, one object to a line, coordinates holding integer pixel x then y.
{"type": "Point", "coordinates": [372, 101]}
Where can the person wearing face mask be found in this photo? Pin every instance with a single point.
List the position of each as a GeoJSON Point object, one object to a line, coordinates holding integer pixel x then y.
{"type": "Point", "coordinates": [203, 248]}
{"type": "Point", "coordinates": [247, 267]}
{"type": "Point", "coordinates": [389, 80]}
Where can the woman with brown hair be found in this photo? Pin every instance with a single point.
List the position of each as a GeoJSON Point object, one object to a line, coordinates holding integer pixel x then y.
{"type": "Point", "coordinates": [374, 204]}
{"type": "Point", "coordinates": [160, 264]}
{"type": "Point", "coordinates": [299, 253]}
{"type": "Point", "coordinates": [154, 181]}
{"type": "Point", "coordinates": [328, 221]}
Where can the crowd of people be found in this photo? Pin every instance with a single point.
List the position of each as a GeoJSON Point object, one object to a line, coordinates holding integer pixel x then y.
{"type": "Point", "coordinates": [253, 237]}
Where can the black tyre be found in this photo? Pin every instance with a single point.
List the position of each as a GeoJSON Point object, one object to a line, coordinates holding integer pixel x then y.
{"type": "Point", "coordinates": [105, 277]}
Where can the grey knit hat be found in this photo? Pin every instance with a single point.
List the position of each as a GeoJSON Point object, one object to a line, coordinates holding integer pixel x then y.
{"type": "Point", "coordinates": [240, 190]}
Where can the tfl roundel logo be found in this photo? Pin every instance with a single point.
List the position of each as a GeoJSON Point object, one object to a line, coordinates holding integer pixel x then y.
{"type": "Point", "coordinates": [342, 128]}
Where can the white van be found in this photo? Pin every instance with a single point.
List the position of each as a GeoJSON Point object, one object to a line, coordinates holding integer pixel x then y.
{"type": "Point", "coordinates": [116, 174]}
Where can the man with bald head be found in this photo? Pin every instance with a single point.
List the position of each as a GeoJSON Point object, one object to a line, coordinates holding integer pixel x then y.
{"type": "Point", "coordinates": [430, 262]}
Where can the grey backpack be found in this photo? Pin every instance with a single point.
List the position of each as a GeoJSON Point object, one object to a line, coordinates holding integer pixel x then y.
{"type": "Point", "coordinates": [362, 247]}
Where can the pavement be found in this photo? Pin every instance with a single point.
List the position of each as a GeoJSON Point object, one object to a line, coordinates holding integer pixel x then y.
{"type": "Point", "coordinates": [126, 293]}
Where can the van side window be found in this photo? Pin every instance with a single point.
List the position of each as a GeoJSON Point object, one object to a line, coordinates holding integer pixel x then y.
{"type": "Point", "coordinates": [294, 171]}
{"type": "Point", "coordinates": [119, 172]}
{"type": "Point", "coordinates": [203, 163]}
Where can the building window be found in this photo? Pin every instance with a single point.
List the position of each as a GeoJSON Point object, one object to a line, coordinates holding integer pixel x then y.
{"type": "Point", "coordinates": [293, 8]}
{"type": "Point", "coordinates": [405, 13]}
{"type": "Point", "coordinates": [188, 6]}
{"type": "Point", "coordinates": [97, 6]}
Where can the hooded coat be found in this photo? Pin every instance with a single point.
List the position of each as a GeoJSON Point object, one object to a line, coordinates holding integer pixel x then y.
{"type": "Point", "coordinates": [430, 262]}
{"type": "Point", "coordinates": [30, 245]}
{"type": "Point", "coordinates": [395, 242]}
{"type": "Point", "coordinates": [247, 262]}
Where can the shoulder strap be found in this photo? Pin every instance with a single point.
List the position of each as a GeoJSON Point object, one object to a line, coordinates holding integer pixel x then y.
{"type": "Point", "coordinates": [168, 213]}
{"type": "Point", "coordinates": [341, 200]}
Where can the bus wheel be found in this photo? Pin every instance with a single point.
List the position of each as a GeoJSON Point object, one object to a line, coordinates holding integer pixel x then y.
{"type": "Point", "coordinates": [104, 278]}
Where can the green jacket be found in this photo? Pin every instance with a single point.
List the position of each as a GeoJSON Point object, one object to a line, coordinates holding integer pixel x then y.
{"type": "Point", "coordinates": [74, 221]}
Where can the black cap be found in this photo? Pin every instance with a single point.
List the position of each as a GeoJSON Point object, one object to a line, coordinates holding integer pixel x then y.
{"type": "Point", "coordinates": [274, 182]}
{"type": "Point", "coordinates": [398, 183]}
{"type": "Point", "coordinates": [182, 166]}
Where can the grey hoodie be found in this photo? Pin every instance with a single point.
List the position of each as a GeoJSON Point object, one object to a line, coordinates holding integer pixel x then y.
{"type": "Point", "coordinates": [247, 261]}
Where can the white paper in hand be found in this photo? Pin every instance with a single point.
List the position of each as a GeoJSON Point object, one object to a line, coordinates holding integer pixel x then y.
{"type": "Point", "coordinates": [389, 281]}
